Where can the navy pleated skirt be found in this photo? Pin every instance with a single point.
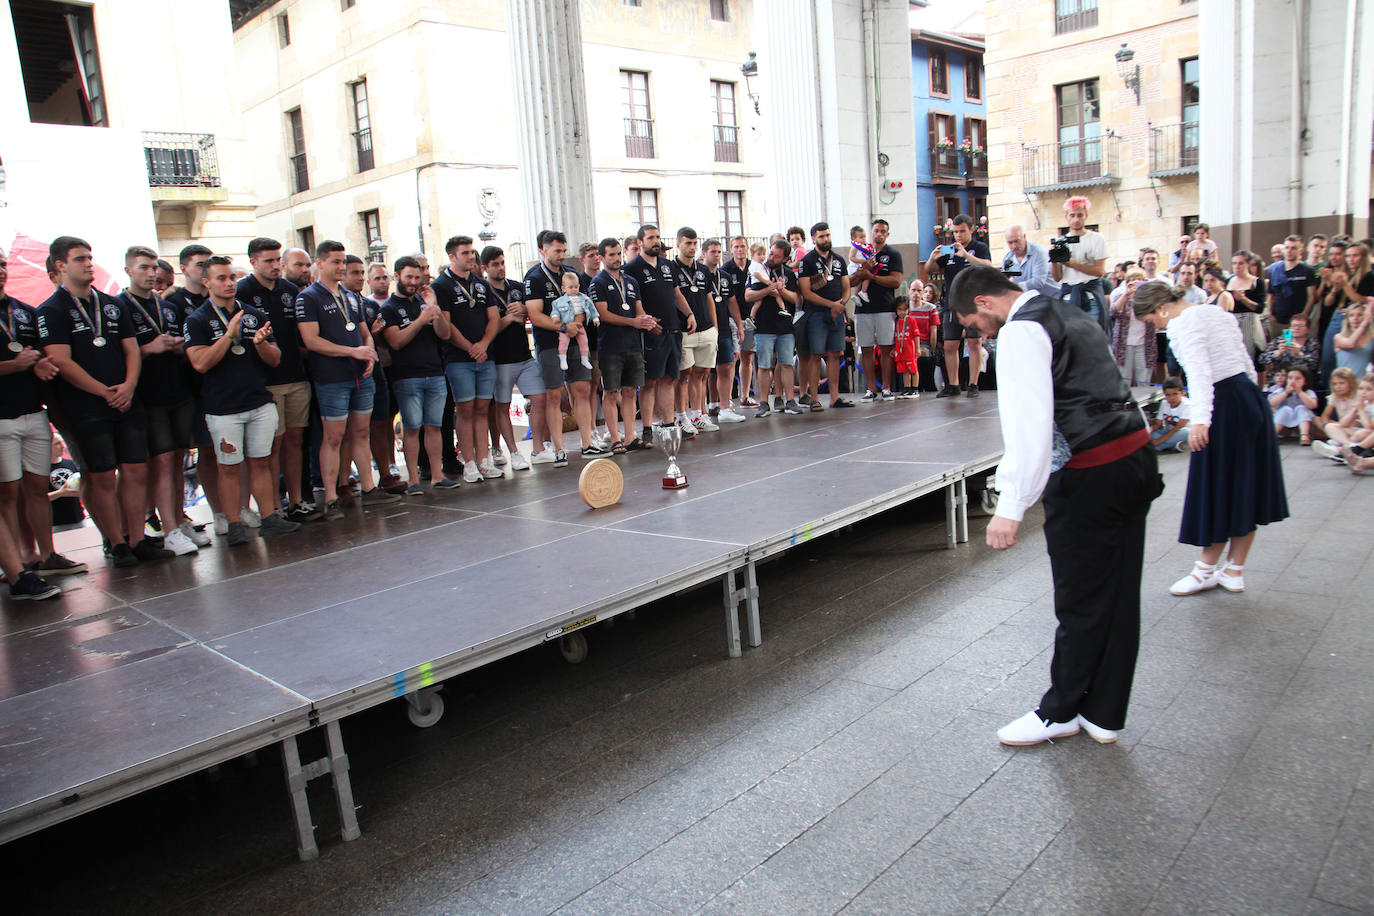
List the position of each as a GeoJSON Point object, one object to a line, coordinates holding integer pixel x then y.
{"type": "Point", "coordinates": [1236, 482]}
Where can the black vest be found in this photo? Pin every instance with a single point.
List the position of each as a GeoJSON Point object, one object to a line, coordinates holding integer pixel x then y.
{"type": "Point", "coordinates": [1092, 403]}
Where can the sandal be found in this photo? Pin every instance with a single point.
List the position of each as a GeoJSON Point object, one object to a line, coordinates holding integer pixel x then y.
{"type": "Point", "coordinates": [636, 445]}
{"type": "Point", "coordinates": [841, 402]}
{"type": "Point", "coordinates": [617, 448]}
{"type": "Point", "coordinates": [817, 407]}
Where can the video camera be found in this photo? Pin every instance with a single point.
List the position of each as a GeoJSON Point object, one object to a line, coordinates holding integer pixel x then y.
{"type": "Point", "coordinates": [1059, 248]}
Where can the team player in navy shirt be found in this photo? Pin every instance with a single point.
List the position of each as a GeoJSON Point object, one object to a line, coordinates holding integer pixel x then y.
{"type": "Point", "coordinates": [473, 322]}
{"type": "Point", "coordinates": [663, 301]}
{"type": "Point", "coordinates": [543, 284]}
{"type": "Point", "coordinates": [415, 328]}
{"type": "Point", "coordinates": [824, 285]}
{"type": "Point", "coordinates": [90, 338]}
{"type": "Point", "coordinates": [729, 327]}
{"type": "Point", "coordinates": [340, 357]}
{"type": "Point", "coordinates": [24, 434]}
{"type": "Point", "coordinates": [164, 388]}
{"type": "Point", "coordinates": [231, 345]}
{"type": "Point", "coordinates": [620, 342]}
{"type": "Point", "coordinates": [699, 345]}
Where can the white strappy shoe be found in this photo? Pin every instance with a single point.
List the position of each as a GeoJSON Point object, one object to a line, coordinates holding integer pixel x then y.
{"type": "Point", "coordinates": [1203, 577]}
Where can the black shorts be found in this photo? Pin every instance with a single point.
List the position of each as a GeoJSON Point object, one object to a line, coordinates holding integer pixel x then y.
{"type": "Point", "coordinates": [622, 370]}
{"type": "Point", "coordinates": [951, 329]}
{"type": "Point", "coordinates": [662, 355]}
{"type": "Point", "coordinates": [384, 405]}
{"type": "Point", "coordinates": [801, 341]}
{"type": "Point", "coordinates": [107, 442]}
{"type": "Point", "coordinates": [170, 427]}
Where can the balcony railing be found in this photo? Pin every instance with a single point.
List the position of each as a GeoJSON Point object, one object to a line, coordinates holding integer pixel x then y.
{"type": "Point", "coordinates": [362, 139]}
{"type": "Point", "coordinates": [944, 166]}
{"type": "Point", "coordinates": [727, 143]}
{"type": "Point", "coordinates": [977, 168]}
{"type": "Point", "coordinates": [1072, 164]}
{"type": "Point", "coordinates": [1174, 149]}
{"type": "Point", "coordinates": [1072, 15]}
{"type": "Point", "coordinates": [181, 160]}
{"type": "Point", "coordinates": [302, 173]}
{"type": "Point", "coordinates": [639, 138]}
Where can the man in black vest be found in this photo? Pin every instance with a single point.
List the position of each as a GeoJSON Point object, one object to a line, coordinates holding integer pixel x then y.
{"type": "Point", "coordinates": [1071, 432]}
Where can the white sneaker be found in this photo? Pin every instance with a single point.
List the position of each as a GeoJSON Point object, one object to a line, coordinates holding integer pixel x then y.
{"type": "Point", "coordinates": [178, 543]}
{"type": "Point", "coordinates": [518, 462]}
{"type": "Point", "coordinates": [1031, 729]}
{"type": "Point", "coordinates": [250, 518]}
{"type": "Point", "coordinates": [498, 457]}
{"type": "Point", "coordinates": [727, 415]}
{"type": "Point", "coordinates": [199, 538]}
{"type": "Point", "coordinates": [704, 424]}
{"type": "Point", "coordinates": [544, 457]}
{"type": "Point", "coordinates": [488, 470]}
{"type": "Point", "coordinates": [687, 425]}
{"type": "Point", "coordinates": [1100, 735]}
{"type": "Point", "coordinates": [1232, 583]}
{"type": "Point", "coordinates": [471, 473]}
{"type": "Point", "coordinates": [1200, 579]}
{"type": "Point", "coordinates": [1327, 450]}
{"type": "Point", "coordinates": [601, 440]}
{"type": "Point", "coordinates": [221, 524]}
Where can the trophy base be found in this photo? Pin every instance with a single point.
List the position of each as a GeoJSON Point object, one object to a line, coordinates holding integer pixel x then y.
{"type": "Point", "coordinates": [674, 482]}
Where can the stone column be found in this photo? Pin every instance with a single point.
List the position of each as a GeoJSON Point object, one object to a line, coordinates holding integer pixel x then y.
{"type": "Point", "coordinates": [551, 106]}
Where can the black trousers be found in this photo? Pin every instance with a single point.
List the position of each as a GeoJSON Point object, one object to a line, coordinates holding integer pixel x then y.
{"type": "Point", "coordinates": [1095, 529]}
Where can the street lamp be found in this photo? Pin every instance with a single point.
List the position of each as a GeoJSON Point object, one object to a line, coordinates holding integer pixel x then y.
{"type": "Point", "coordinates": [376, 251]}
{"type": "Point", "coordinates": [750, 69]}
{"type": "Point", "coordinates": [1128, 70]}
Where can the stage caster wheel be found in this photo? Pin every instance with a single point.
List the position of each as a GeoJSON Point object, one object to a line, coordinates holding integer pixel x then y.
{"type": "Point", "coordinates": [574, 648]}
{"type": "Point", "coordinates": [425, 708]}
{"type": "Point", "coordinates": [989, 501]}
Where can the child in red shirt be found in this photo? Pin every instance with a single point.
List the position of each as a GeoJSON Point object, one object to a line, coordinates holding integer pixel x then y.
{"type": "Point", "coordinates": [916, 321]}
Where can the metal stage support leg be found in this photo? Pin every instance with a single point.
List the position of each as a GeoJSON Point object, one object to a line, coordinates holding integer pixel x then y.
{"type": "Point", "coordinates": [298, 777]}
{"type": "Point", "coordinates": [751, 604]}
{"type": "Point", "coordinates": [951, 529]}
{"type": "Point", "coordinates": [962, 499]}
{"type": "Point", "coordinates": [732, 645]}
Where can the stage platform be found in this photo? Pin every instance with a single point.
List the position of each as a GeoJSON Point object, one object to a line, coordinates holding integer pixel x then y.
{"type": "Point", "coordinates": [137, 677]}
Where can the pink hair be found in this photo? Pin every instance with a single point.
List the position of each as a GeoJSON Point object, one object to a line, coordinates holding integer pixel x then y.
{"type": "Point", "coordinates": [1075, 203]}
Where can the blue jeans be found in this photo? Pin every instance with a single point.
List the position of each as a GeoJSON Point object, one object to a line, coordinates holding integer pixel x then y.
{"type": "Point", "coordinates": [469, 381]}
{"type": "Point", "coordinates": [823, 333]}
{"type": "Point", "coordinates": [773, 348]}
{"type": "Point", "coordinates": [421, 401]}
{"type": "Point", "coordinates": [1166, 443]}
{"type": "Point", "coordinates": [339, 399]}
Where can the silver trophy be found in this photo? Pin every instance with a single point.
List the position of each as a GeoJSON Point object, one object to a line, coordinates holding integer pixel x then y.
{"type": "Point", "coordinates": [669, 438]}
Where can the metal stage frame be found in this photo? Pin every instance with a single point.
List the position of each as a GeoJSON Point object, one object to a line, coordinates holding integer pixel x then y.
{"type": "Point", "coordinates": [132, 680]}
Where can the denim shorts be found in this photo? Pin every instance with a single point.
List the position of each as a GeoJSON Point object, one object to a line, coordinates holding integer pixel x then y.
{"type": "Point", "coordinates": [421, 401]}
{"type": "Point", "coordinates": [823, 333]}
{"type": "Point", "coordinates": [339, 399]}
{"type": "Point", "coordinates": [770, 346]}
{"type": "Point", "coordinates": [470, 381]}
{"type": "Point", "coordinates": [726, 348]}
{"type": "Point", "coordinates": [525, 376]}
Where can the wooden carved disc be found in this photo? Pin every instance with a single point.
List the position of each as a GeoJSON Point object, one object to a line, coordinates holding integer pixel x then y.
{"type": "Point", "coordinates": [601, 483]}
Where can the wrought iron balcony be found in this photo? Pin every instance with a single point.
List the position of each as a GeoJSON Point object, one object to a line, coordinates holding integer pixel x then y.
{"type": "Point", "coordinates": [177, 160]}
{"type": "Point", "coordinates": [727, 143]}
{"type": "Point", "coordinates": [1090, 162]}
{"type": "Point", "coordinates": [301, 172]}
{"type": "Point", "coordinates": [1174, 149]}
{"type": "Point", "coordinates": [639, 138]}
{"type": "Point", "coordinates": [362, 139]}
{"type": "Point", "coordinates": [944, 166]}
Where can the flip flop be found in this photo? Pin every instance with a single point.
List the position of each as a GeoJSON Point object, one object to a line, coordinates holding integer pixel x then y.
{"type": "Point", "coordinates": [617, 448]}
{"type": "Point", "coordinates": [817, 407]}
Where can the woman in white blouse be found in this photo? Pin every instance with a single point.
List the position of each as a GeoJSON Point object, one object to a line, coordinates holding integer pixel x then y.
{"type": "Point", "coordinates": [1235, 480]}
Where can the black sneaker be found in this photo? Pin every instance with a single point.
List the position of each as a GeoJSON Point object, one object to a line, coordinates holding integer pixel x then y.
{"type": "Point", "coordinates": [303, 512]}
{"type": "Point", "coordinates": [763, 411]}
{"type": "Point", "coordinates": [274, 524]}
{"type": "Point", "coordinates": [560, 459]}
{"type": "Point", "coordinates": [792, 407]}
{"type": "Point", "coordinates": [949, 391]}
{"type": "Point", "coordinates": [147, 551]}
{"type": "Point", "coordinates": [777, 403]}
{"type": "Point", "coordinates": [123, 555]}
{"type": "Point", "coordinates": [595, 451]}
{"type": "Point", "coordinates": [972, 391]}
{"type": "Point", "coordinates": [805, 400]}
{"type": "Point", "coordinates": [333, 512]}
{"type": "Point", "coordinates": [870, 396]}
{"type": "Point", "coordinates": [58, 565]}
{"type": "Point", "coordinates": [31, 587]}
{"type": "Point", "coordinates": [238, 534]}
{"type": "Point", "coordinates": [378, 497]}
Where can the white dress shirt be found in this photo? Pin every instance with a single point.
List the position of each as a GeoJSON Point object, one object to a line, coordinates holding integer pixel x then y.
{"type": "Point", "coordinates": [1208, 343]}
{"type": "Point", "coordinates": [1025, 399]}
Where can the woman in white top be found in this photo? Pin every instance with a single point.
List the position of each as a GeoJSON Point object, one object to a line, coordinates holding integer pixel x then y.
{"type": "Point", "coordinates": [1235, 480]}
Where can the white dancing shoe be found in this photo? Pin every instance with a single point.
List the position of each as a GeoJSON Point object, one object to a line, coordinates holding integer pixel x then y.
{"type": "Point", "coordinates": [1031, 729]}
{"type": "Point", "coordinates": [1229, 581]}
{"type": "Point", "coordinates": [1200, 579]}
{"type": "Point", "coordinates": [1097, 733]}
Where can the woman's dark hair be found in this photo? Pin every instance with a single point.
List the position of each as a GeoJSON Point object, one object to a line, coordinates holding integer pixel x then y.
{"type": "Point", "coordinates": [1150, 296]}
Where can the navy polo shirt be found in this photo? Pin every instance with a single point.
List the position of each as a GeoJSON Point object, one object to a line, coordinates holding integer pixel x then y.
{"type": "Point", "coordinates": [617, 338]}
{"type": "Point", "coordinates": [691, 282]}
{"type": "Point", "coordinates": [542, 283]}
{"type": "Point", "coordinates": [166, 377]}
{"type": "Point", "coordinates": [465, 302]}
{"type": "Point", "coordinates": [61, 322]}
{"type": "Point", "coordinates": [279, 303]}
{"type": "Point", "coordinates": [332, 315]}
{"type": "Point", "coordinates": [775, 315]}
{"type": "Point", "coordinates": [880, 298]}
{"type": "Point", "coordinates": [423, 357]}
{"type": "Point", "coordinates": [512, 343]}
{"type": "Point", "coordinates": [21, 393]}
{"type": "Point", "coordinates": [237, 383]}
{"type": "Point", "coordinates": [720, 286]}
{"type": "Point", "coordinates": [657, 289]}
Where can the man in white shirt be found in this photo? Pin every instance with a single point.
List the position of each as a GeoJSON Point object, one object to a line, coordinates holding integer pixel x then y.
{"type": "Point", "coordinates": [1070, 431]}
{"type": "Point", "coordinates": [1082, 273]}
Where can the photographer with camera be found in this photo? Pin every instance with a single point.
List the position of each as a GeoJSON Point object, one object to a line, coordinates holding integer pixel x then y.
{"type": "Point", "coordinates": [951, 259]}
{"type": "Point", "coordinates": [1078, 259]}
{"type": "Point", "coordinates": [1027, 265]}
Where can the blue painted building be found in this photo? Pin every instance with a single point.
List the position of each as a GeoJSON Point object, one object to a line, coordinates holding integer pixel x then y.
{"type": "Point", "coordinates": [951, 129]}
